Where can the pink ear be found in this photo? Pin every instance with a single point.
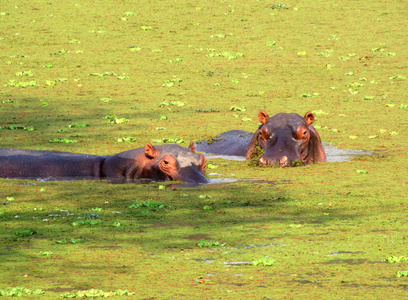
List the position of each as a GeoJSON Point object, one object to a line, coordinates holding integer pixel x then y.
{"type": "Point", "coordinates": [203, 162]}
{"type": "Point", "coordinates": [191, 147]}
{"type": "Point", "coordinates": [309, 118]}
{"type": "Point", "coordinates": [150, 151]}
{"type": "Point", "coordinates": [263, 117]}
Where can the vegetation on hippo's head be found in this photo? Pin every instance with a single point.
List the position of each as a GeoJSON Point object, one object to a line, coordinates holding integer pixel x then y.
{"type": "Point", "coordinates": [256, 154]}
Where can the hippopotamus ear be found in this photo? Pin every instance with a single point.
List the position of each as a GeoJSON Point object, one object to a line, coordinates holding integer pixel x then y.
{"type": "Point", "coordinates": [191, 147]}
{"type": "Point", "coordinates": [203, 161]}
{"type": "Point", "coordinates": [150, 151]}
{"type": "Point", "coordinates": [309, 118]}
{"type": "Point", "coordinates": [263, 117]}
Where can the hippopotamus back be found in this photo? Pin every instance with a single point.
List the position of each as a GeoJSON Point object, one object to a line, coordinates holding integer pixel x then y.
{"type": "Point", "coordinates": [19, 163]}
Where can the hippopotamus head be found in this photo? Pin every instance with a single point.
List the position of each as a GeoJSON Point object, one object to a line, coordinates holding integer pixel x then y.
{"type": "Point", "coordinates": [173, 162]}
{"type": "Point", "coordinates": [287, 139]}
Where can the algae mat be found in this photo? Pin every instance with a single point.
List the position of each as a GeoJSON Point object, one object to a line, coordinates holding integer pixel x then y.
{"type": "Point", "coordinates": [103, 77]}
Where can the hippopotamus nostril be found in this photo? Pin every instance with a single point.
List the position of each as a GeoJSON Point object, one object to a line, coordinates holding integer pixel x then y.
{"type": "Point", "coordinates": [284, 160]}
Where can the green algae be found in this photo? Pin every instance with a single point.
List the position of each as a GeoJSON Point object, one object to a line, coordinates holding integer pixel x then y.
{"type": "Point", "coordinates": [328, 227]}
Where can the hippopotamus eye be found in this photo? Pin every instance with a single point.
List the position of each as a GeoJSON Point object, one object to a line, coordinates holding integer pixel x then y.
{"type": "Point", "coordinates": [265, 133]}
{"type": "Point", "coordinates": [300, 133]}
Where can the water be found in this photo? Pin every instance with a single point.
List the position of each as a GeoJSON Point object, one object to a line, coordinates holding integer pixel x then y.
{"type": "Point", "coordinates": [333, 154]}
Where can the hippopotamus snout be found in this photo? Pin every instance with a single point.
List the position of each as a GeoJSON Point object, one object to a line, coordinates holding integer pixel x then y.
{"type": "Point", "coordinates": [283, 161]}
{"type": "Point", "coordinates": [275, 156]}
{"type": "Point", "coordinates": [191, 174]}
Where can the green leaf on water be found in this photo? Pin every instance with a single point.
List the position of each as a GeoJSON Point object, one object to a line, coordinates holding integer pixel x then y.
{"type": "Point", "coordinates": [64, 140]}
{"type": "Point", "coordinates": [264, 261]}
{"type": "Point", "coordinates": [204, 243]}
{"type": "Point", "coordinates": [396, 259]}
{"type": "Point", "coordinates": [271, 43]}
{"type": "Point", "coordinates": [401, 274]}
{"type": "Point", "coordinates": [361, 172]}
{"type": "Point", "coordinates": [169, 140]}
{"type": "Point", "coordinates": [238, 108]}
{"type": "Point", "coordinates": [78, 125]}
{"type": "Point", "coordinates": [147, 204]}
{"type": "Point", "coordinates": [24, 233]}
{"type": "Point", "coordinates": [295, 225]}
{"type": "Point", "coordinates": [106, 100]}
{"type": "Point", "coordinates": [86, 222]}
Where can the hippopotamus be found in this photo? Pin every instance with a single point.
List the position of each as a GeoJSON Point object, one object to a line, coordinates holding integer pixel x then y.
{"type": "Point", "coordinates": [160, 163]}
{"type": "Point", "coordinates": [285, 139]}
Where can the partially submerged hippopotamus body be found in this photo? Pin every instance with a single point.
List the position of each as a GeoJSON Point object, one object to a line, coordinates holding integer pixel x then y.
{"type": "Point", "coordinates": [286, 139]}
{"type": "Point", "coordinates": [163, 162]}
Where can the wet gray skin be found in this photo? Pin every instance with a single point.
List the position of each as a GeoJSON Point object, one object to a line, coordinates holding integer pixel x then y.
{"type": "Point", "coordinates": [19, 163]}
{"type": "Point", "coordinates": [232, 145]}
{"type": "Point", "coordinates": [188, 161]}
